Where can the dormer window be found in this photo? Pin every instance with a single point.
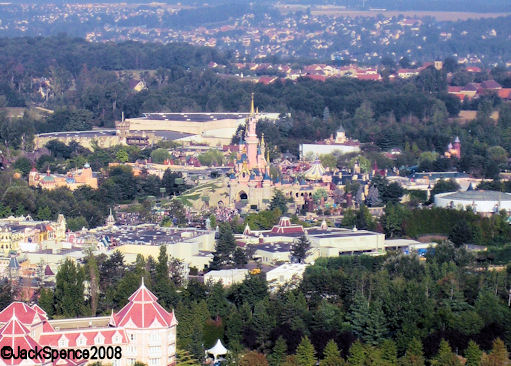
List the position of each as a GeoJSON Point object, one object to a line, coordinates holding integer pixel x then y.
{"type": "Point", "coordinates": [63, 342]}
{"type": "Point", "coordinates": [117, 338]}
{"type": "Point", "coordinates": [99, 339]}
{"type": "Point", "coordinates": [81, 341]}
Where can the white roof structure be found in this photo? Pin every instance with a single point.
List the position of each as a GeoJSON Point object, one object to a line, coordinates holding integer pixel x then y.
{"type": "Point", "coordinates": [285, 273]}
{"type": "Point", "coordinates": [217, 350]}
{"type": "Point", "coordinates": [315, 172]}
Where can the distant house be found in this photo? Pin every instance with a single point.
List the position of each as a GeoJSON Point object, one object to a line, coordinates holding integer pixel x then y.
{"type": "Point", "coordinates": [407, 73]}
{"type": "Point", "coordinates": [267, 79]}
{"type": "Point", "coordinates": [505, 93]}
{"type": "Point", "coordinates": [473, 69]}
{"type": "Point", "coordinates": [137, 85]}
{"type": "Point", "coordinates": [491, 85]}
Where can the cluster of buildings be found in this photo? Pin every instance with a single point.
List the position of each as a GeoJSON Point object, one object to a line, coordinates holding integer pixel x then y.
{"type": "Point", "coordinates": [72, 179]}
{"type": "Point", "coordinates": [475, 90]}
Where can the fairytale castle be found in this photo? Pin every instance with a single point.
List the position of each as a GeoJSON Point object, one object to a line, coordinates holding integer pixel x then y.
{"type": "Point", "coordinates": [250, 182]}
{"type": "Point", "coordinates": [453, 149]}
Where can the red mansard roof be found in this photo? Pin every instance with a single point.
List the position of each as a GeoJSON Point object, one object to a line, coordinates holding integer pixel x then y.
{"type": "Point", "coordinates": [143, 311]}
{"type": "Point", "coordinates": [15, 334]}
{"type": "Point", "coordinates": [25, 314]}
{"type": "Point", "coordinates": [285, 227]}
{"type": "Point", "coordinates": [72, 336]}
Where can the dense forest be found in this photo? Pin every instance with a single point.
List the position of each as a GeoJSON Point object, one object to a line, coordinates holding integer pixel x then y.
{"type": "Point", "coordinates": [389, 310]}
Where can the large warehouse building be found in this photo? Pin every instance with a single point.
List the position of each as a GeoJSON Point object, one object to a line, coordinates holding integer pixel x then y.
{"type": "Point", "coordinates": [483, 202]}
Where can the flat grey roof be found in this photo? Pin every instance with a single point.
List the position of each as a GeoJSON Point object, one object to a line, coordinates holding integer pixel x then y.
{"type": "Point", "coordinates": [194, 117]}
{"type": "Point", "coordinates": [478, 196]}
{"type": "Point", "coordinates": [90, 133]}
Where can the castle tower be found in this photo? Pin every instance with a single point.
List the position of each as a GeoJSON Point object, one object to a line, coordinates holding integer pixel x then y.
{"type": "Point", "coordinates": [457, 147]}
{"type": "Point", "coordinates": [251, 140]}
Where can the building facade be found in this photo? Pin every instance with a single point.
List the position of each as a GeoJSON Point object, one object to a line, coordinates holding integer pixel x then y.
{"type": "Point", "coordinates": [143, 330]}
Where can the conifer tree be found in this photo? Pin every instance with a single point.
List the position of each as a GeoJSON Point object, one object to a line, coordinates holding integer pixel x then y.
{"type": "Point", "coordinates": [300, 249]}
{"type": "Point", "coordinates": [225, 247]}
{"type": "Point", "coordinates": [262, 323]}
{"type": "Point", "coordinates": [93, 277]}
{"type": "Point", "coordinates": [357, 354]}
{"type": "Point", "coordinates": [498, 356]}
{"type": "Point", "coordinates": [358, 315]}
{"type": "Point", "coordinates": [473, 354]}
{"type": "Point", "coordinates": [331, 355]}
{"type": "Point", "coordinates": [305, 353]}
{"type": "Point", "coordinates": [233, 327]}
{"type": "Point", "coordinates": [279, 353]}
{"type": "Point", "coordinates": [389, 352]}
{"type": "Point", "coordinates": [184, 358]}
{"type": "Point", "coordinates": [445, 356]}
{"type": "Point", "coordinates": [375, 328]}
{"type": "Point", "coordinates": [163, 287]}
{"type": "Point", "coordinates": [69, 290]}
{"type": "Point", "coordinates": [46, 301]}
{"type": "Point", "coordinates": [414, 355]}
{"type": "Point", "coordinates": [279, 201]}
{"type": "Point", "coordinates": [373, 197]}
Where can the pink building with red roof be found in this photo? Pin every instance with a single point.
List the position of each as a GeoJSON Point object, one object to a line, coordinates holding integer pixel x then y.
{"type": "Point", "coordinates": [143, 329]}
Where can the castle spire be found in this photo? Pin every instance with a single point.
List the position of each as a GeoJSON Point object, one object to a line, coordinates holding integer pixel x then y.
{"type": "Point", "coordinates": [252, 105]}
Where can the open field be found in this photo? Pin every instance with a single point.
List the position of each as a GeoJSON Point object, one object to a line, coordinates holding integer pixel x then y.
{"type": "Point", "coordinates": [338, 11]}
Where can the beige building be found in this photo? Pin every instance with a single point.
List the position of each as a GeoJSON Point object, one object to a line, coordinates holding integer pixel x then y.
{"type": "Point", "coordinates": [72, 179]}
{"type": "Point", "coordinates": [192, 246]}
{"type": "Point", "coordinates": [210, 128]}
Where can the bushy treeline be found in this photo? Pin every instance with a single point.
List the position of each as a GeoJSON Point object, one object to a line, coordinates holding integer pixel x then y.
{"type": "Point", "coordinates": [86, 207]}
{"type": "Point", "coordinates": [385, 310]}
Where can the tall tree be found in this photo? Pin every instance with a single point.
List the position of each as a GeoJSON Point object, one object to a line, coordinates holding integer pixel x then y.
{"type": "Point", "coordinates": [279, 352]}
{"type": "Point", "coordinates": [473, 354]}
{"type": "Point", "coordinates": [414, 355]}
{"type": "Point", "coordinates": [279, 201]}
{"type": "Point", "coordinates": [163, 286]}
{"type": "Point", "coordinates": [225, 247]}
{"type": "Point", "coordinates": [357, 354]}
{"type": "Point", "coordinates": [300, 249]}
{"type": "Point", "coordinates": [46, 301]}
{"type": "Point", "coordinates": [305, 353]}
{"type": "Point", "coordinates": [69, 290]}
{"type": "Point", "coordinates": [263, 323]}
{"type": "Point", "coordinates": [92, 272]}
{"type": "Point", "coordinates": [359, 312]}
{"type": "Point", "coordinates": [445, 356]}
{"type": "Point", "coordinates": [331, 355]}
{"type": "Point", "coordinates": [498, 356]}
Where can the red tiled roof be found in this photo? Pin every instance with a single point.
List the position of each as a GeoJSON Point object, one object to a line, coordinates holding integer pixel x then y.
{"type": "Point", "coordinates": [505, 93]}
{"type": "Point", "coordinates": [368, 77]}
{"type": "Point", "coordinates": [24, 313]}
{"type": "Point", "coordinates": [15, 334]}
{"type": "Point", "coordinates": [143, 311]}
{"type": "Point", "coordinates": [88, 335]}
{"type": "Point", "coordinates": [454, 89]}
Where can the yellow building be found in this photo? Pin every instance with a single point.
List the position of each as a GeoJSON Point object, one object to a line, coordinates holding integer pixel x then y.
{"type": "Point", "coordinates": [72, 180]}
{"type": "Point", "coordinates": [19, 232]}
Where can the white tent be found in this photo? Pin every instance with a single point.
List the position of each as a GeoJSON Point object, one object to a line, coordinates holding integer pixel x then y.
{"type": "Point", "coordinates": [217, 350]}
